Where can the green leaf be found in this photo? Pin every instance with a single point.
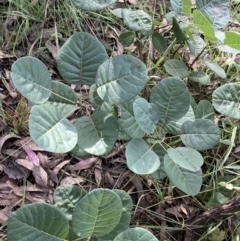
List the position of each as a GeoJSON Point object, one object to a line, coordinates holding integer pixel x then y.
{"type": "Point", "coordinates": [140, 158]}
{"type": "Point", "coordinates": [174, 127]}
{"type": "Point", "coordinates": [185, 180]}
{"type": "Point", "coordinates": [202, 22]}
{"type": "Point", "coordinates": [216, 10]}
{"type": "Point", "coordinates": [120, 79]}
{"type": "Point", "coordinates": [226, 100]}
{"type": "Point", "coordinates": [135, 234]}
{"type": "Point", "coordinates": [181, 6]}
{"type": "Point", "coordinates": [79, 58]}
{"type": "Point", "coordinates": [38, 221]}
{"type": "Point", "coordinates": [137, 20]}
{"type": "Point", "coordinates": [97, 213]}
{"type": "Point", "coordinates": [66, 197]}
{"type": "Point", "coordinates": [126, 38]}
{"type": "Point", "coordinates": [159, 42]}
{"type": "Point", "coordinates": [93, 5]}
{"type": "Point", "coordinates": [176, 68]}
{"type": "Point", "coordinates": [196, 46]}
{"type": "Point", "coordinates": [127, 122]}
{"type": "Point", "coordinates": [146, 114]}
{"type": "Point", "coordinates": [200, 77]}
{"type": "Point", "coordinates": [172, 98]}
{"type": "Point", "coordinates": [186, 7]}
{"type": "Point", "coordinates": [98, 132]}
{"type": "Point", "coordinates": [179, 34]}
{"type": "Point", "coordinates": [31, 78]}
{"type": "Point", "coordinates": [63, 98]}
{"type": "Point", "coordinates": [186, 158]}
{"type": "Point", "coordinates": [216, 69]}
{"type": "Point", "coordinates": [125, 220]}
{"type": "Point", "coordinates": [201, 134]}
{"type": "Point", "coordinates": [232, 39]}
{"type": "Point", "coordinates": [50, 130]}
{"type": "Point", "coordinates": [205, 110]}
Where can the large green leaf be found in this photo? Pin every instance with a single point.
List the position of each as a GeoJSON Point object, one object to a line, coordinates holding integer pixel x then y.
{"type": "Point", "coordinates": [197, 46]}
{"type": "Point", "coordinates": [137, 20]}
{"type": "Point", "coordinates": [203, 23]}
{"type": "Point", "coordinates": [232, 39]}
{"type": "Point", "coordinates": [201, 134]}
{"type": "Point", "coordinates": [140, 158]}
{"type": "Point", "coordinates": [200, 77]}
{"type": "Point", "coordinates": [176, 68]}
{"type": "Point", "coordinates": [186, 158]}
{"type": "Point", "coordinates": [172, 98]}
{"type": "Point", "coordinates": [120, 79]}
{"type": "Point", "coordinates": [38, 221]}
{"type": "Point", "coordinates": [126, 215]}
{"type": "Point", "coordinates": [216, 68]}
{"type": "Point", "coordinates": [31, 78]}
{"type": "Point", "coordinates": [66, 197]}
{"type": "Point", "coordinates": [216, 10]}
{"type": "Point", "coordinates": [174, 127]}
{"type": "Point", "coordinates": [50, 130]}
{"type": "Point", "coordinates": [93, 5]}
{"type": "Point", "coordinates": [79, 58]}
{"type": "Point", "coordinates": [146, 114]}
{"type": "Point", "coordinates": [159, 42]}
{"type": "Point", "coordinates": [127, 122]}
{"type": "Point", "coordinates": [97, 213]}
{"type": "Point", "coordinates": [185, 180]}
{"type": "Point", "coordinates": [97, 133]}
{"type": "Point", "coordinates": [63, 98]}
{"type": "Point", "coordinates": [136, 234]}
{"type": "Point", "coordinates": [226, 100]}
{"type": "Point", "coordinates": [205, 110]}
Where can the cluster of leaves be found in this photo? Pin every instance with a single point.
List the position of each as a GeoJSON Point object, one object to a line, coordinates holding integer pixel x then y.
{"type": "Point", "coordinates": [101, 214]}
{"type": "Point", "coordinates": [120, 113]}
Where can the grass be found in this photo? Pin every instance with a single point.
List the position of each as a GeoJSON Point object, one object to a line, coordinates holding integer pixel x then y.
{"type": "Point", "coordinates": [23, 25]}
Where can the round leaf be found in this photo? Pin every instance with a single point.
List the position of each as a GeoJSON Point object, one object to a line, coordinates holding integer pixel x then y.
{"type": "Point", "coordinates": [38, 221]}
{"type": "Point", "coordinates": [174, 127]}
{"type": "Point", "coordinates": [31, 78]}
{"type": "Point", "coordinates": [185, 180]}
{"type": "Point", "coordinates": [66, 197]}
{"type": "Point", "coordinates": [172, 98]}
{"type": "Point", "coordinates": [186, 157]}
{"type": "Point", "coordinates": [93, 5]}
{"type": "Point", "coordinates": [97, 213]}
{"type": "Point", "coordinates": [159, 42]}
{"type": "Point", "coordinates": [50, 130]}
{"type": "Point", "coordinates": [120, 79]}
{"type": "Point", "coordinates": [176, 68]}
{"type": "Point", "coordinates": [127, 122]}
{"type": "Point", "coordinates": [137, 20]}
{"type": "Point", "coordinates": [146, 115]}
{"type": "Point", "coordinates": [200, 134]}
{"type": "Point", "coordinates": [79, 58]}
{"type": "Point", "coordinates": [140, 158]}
{"type": "Point", "coordinates": [136, 234]}
{"type": "Point", "coordinates": [205, 110]}
{"type": "Point", "coordinates": [97, 133]}
{"type": "Point", "coordinates": [63, 98]}
{"type": "Point", "coordinates": [226, 100]}
{"type": "Point", "coordinates": [126, 215]}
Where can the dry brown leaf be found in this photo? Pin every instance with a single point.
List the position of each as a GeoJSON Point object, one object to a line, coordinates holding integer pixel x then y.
{"type": "Point", "coordinates": [60, 166]}
{"type": "Point", "coordinates": [98, 172]}
{"type": "Point", "coordinates": [52, 49]}
{"type": "Point", "coordinates": [5, 138]}
{"type": "Point", "coordinates": [14, 171]}
{"type": "Point", "coordinates": [4, 55]}
{"type": "Point", "coordinates": [28, 141]}
{"type": "Point", "coordinates": [70, 180]}
{"type": "Point", "coordinates": [83, 164]}
{"type": "Point", "coordinates": [4, 213]}
{"type": "Point", "coordinates": [39, 173]}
